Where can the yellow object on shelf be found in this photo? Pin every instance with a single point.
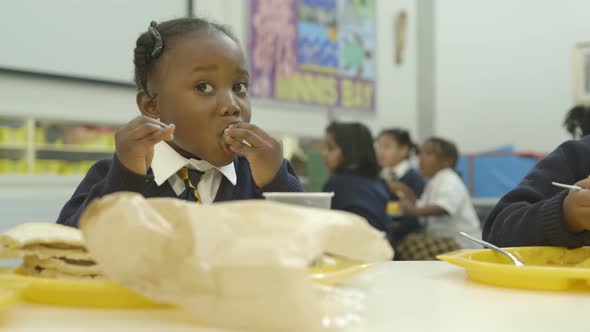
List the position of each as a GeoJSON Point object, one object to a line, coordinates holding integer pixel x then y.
{"type": "Point", "coordinates": [19, 135]}
{"type": "Point", "coordinates": [21, 167]}
{"type": "Point", "coordinates": [9, 166]}
{"type": "Point", "coordinates": [71, 168]}
{"type": "Point", "coordinates": [6, 166]}
{"type": "Point", "coordinates": [5, 135]}
{"type": "Point", "coordinates": [40, 136]}
{"type": "Point", "coordinates": [546, 268]}
{"type": "Point", "coordinates": [75, 148]}
{"type": "Point", "coordinates": [10, 135]}
{"type": "Point", "coordinates": [48, 166]}
{"type": "Point", "coordinates": [108, 294]}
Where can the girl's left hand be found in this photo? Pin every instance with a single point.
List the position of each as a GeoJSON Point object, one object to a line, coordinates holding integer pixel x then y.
{"type": "Point", "coordinates": [265, 153]}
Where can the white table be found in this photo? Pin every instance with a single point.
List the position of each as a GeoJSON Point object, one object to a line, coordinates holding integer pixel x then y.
{"type": "Point", "coordinates": [402, 296]}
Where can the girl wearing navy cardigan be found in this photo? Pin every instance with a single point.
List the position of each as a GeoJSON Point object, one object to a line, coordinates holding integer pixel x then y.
{"type": "Point", "coordinates": [350, 157]}
{"type": "Point", "coordinates": [192, 80]}
{"type": "Point", "coordinates": [394, 150]}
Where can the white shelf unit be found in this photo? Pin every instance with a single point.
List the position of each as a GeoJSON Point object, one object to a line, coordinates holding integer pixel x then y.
{"type": "Point", "coordinates": [35, 150]}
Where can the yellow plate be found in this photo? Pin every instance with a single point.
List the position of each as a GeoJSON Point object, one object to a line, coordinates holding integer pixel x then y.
{"type": "Point", "coordinates": [94, 293]}
{"type": "Point", "coordinates": [546, 268]}
{"type": "Point", "coordinates": [8, 297]}
{"type": "Point", "coordinates": [69, 292]}
{"type": "Point", "coordinates": [335, 269]}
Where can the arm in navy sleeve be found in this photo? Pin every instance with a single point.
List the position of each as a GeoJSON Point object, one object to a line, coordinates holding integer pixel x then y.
{"type": "Point", "coordinates": [105, 177]}
{"type": "Point", "coordinates": [354, 201]}
{"type": "Point", "coordinates": [284, 181]}
{"type": "Point", "coordinates": [531, 214]}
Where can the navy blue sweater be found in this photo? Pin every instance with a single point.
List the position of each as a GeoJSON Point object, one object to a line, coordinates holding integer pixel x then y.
{"type": "Point", "coordinates": [110, 175]}
{"type": "Point", "coordinates": [407, 225]}
{"type": "Point", "coordinates": [531, 214]}
{"type": "Point", "coordinates": [366, 197]}
{"type": "Point", "coordinates": [413, 180]}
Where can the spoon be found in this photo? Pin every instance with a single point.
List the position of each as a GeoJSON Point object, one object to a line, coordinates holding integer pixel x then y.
{"type": "Point", "coordinates": [493, 247]}
{"type": "Point", "coordinates": [566, 186]}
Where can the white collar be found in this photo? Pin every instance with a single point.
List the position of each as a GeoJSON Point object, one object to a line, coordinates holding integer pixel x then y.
{"type": "Point", "coordinates": [402, 168]}
{"type": "Point", "coordinates": [167, 162]}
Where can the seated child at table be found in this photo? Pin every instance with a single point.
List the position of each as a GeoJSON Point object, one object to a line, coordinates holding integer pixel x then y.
{"type": "Point", "coordinates": [194, 140]}
{"type": "Point", "coordinates": [445, 207]}
{"type": "Point", "coordinates": [394, 150]}
{"type": "Point", "coordinates": [536, 213]}
{"type": "Point", "coordinates": [350, 157]}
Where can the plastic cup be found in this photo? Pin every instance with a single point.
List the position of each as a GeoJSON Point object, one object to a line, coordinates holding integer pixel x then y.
{"type": "Point", "coordinates": [317, 200]}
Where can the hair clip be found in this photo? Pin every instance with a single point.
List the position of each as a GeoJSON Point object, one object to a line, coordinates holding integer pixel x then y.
{"type": "Point", "coordinates": [158, 44]}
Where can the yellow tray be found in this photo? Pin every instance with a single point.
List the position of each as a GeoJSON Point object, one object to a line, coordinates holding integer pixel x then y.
{"type": "Point", "coordinates": [8, 297]}
{"type": "Point", "coordinates": [84, 293]}
{"type": "Point", "coordinates": [94, 293]}
{"type": "Point", "coordinates": [546, 268]}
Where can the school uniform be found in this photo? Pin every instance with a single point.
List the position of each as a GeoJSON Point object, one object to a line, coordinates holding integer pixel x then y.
{"type": "Point", "coordinates": [441, 233]}
{"type": "Point", "coordinates": [405, 173]}
{"type": "Point", "coordinates": [447, 190]}
{"type": "Point", "coordinates": [531, 214]}
{"type": "Point", "coordinates": [202, 182]}
{"type": "Point", "coordinates": [361, 195]}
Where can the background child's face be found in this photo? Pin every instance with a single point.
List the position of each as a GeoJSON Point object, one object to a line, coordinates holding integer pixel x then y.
{"type": "Point", "coordinates": [431, 160]}
{"type": "Point", "coordinates": [389, 152]}
{"type": "Point", "coordinates": [201, 85]}
{"type": "Point", "coordinates": [331, 153]}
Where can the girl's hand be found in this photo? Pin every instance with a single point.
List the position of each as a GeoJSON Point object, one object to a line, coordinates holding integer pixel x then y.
{"type": "Point", "coordinates": [135, 142]}
{"type": "Point", "coordinates": [264, 152]}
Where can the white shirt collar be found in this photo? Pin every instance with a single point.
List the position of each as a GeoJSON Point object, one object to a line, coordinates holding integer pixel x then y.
{"type": "Point", "coordinates": [166, 162]}
{"type": "Point", "coordinates": [402, 168]}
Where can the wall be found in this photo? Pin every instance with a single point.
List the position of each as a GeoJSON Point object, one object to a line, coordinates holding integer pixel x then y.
{"type": "Point", "coordinates": [503, 70]}
{"type": "Point", "coordinates": [50, 98]}
{"type": "Point", "coordinates": [93, 43]}
{"type": "Point", "coordinates": [396, 95]}
{"type": "Point", "coordinates": [396, 90]}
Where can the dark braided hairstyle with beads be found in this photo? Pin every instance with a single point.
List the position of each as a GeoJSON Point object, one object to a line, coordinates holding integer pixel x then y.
{"type": "Point", "coordinates": [151, 44]}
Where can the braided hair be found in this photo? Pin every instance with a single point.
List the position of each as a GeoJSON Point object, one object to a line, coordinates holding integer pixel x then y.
{"type": "Point", "coordinates": [151, 44]}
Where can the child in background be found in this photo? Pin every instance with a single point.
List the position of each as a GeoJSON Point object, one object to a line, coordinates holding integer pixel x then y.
{"type": "Point", "coordinates": [193, 140]}
{"type": "Point", "coordinates": [444, 207]}
{"type": "Point", "coordinates": [394, 149]}
{"type": "Point", "coordinates": [577, 121]}
{"type": "Point", "coordinates": [349, 156]}
{"type": "Point", "coordinates": [536, 213]}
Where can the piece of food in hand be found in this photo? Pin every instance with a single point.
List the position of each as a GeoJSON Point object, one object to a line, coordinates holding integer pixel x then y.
{"type": "Point", "coordinates": [49, 250]}
{"type": "Point", "coordinates": [227, 140]}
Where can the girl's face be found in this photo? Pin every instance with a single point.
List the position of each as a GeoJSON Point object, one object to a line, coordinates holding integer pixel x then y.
{"type": "Point", "coordinates": [430, 160]}
{"type": "Point", "coordinates": [389, 152]}
{"type": "Point", "coordinates": [201, 85]}
{"type": "Point", "coordinates": [331, 153]}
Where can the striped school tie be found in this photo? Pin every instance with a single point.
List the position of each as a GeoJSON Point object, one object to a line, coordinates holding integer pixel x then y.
{"type": "Point", "coordinates": [191, 179]}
